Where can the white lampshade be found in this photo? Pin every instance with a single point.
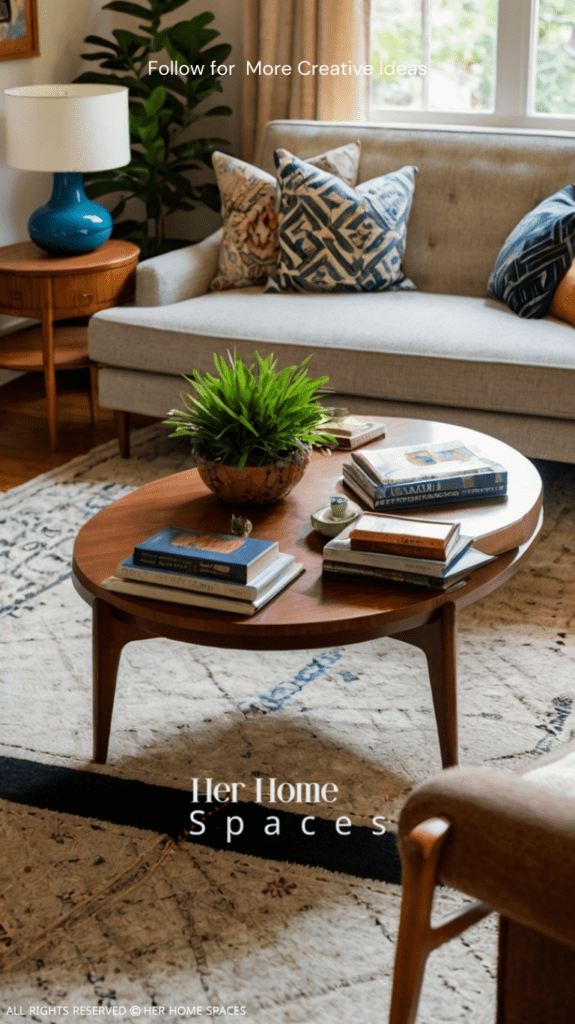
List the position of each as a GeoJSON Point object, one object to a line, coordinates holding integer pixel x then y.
{"type": "Point", "coordinates": [67, 127]}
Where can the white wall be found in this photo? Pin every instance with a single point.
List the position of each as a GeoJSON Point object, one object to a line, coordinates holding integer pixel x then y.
{"type": "Point", "coordinates": [63, 24]}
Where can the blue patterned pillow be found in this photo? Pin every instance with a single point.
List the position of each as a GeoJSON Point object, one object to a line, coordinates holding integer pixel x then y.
{"type": "Point", "coordinates": [535, 257]}
{"type": "Point", "coordinates": [334, 238]}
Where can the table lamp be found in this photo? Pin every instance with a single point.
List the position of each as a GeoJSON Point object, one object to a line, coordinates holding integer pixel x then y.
{"type": "Point", "coordinates": [68, 129]}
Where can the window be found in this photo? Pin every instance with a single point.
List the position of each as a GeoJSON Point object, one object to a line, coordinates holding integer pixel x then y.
{"type": "Point", "coordinates": [481, 62]}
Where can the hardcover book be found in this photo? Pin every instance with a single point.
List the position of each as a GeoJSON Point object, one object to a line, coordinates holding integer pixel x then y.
{"type": "Point", "coordinates": [467, 483]}
{"type": "Point", "coordinates": [218, 555]}
{"type": "Point", "coordinates": [423, 499]}
{"type": "Point", "coordinates": [403, 536]}
{"type": "Point", "coordinates": [198, 599]}
{"type": "Point", "coordinates": [421, 462]}
{"type": "Point", "coordinates": [469, 561]}
{"type": "Point", "coordinates": [127, 570]}
{"type": "Point", "coordinates": [341, 550]}
{"type": "Point", "coordinates": [354, 431]}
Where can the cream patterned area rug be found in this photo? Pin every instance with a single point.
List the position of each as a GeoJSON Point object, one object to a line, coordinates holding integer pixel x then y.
{"type": "Point", "coordinates": [108, 909]}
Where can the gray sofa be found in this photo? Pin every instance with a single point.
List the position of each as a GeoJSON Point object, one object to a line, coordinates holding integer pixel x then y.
{"type": "Point", "coordinates": [444, 351]}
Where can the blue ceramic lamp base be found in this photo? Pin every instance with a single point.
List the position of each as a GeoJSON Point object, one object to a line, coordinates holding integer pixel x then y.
{"type": "Point", "coordinates": [69, 223]}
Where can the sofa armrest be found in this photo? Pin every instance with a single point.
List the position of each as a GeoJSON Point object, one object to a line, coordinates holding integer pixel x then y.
{"type": "Point", "coordinates": [511, 844]}
{"type": "Point", "coordinates": [178, 275]}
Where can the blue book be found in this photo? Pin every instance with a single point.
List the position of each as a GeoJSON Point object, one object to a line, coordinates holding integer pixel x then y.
{"type": "Point", "coordinates": [259, 585]}
{"type": "Point", "coordinates": [439, 498]}
{"type": "Point", "coordinates": [220, 556]}
{"type": "Point", "coordinates": [472, 482]}
{"type": "Point", "coordinates": [419, 499]}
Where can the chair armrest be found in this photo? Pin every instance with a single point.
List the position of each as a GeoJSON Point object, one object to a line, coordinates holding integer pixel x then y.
{"type": "Point", "coordinates": [511, 844]}
{"type": "Point", "coordinates": [178, 275]}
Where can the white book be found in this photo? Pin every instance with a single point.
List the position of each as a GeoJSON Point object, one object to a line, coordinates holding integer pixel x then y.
{"type": "Point", "coordinates": [126, 570]}
{"type": "Point", "coordinates": [469, 561]}
{"type": "Point", "coordinates": [339, 550]}
{"type": "Point", "coordinates": [420, 462]}
{"type": "Point", "coordinates": [136, 588]}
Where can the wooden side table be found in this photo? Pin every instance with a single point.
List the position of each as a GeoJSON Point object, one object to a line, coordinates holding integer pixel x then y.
{"type": "Point", "coordinates": [52, 288]}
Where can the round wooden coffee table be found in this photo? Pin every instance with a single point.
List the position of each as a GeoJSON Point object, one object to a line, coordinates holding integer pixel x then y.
{"type": "Point", "coordinates": [315, 610]}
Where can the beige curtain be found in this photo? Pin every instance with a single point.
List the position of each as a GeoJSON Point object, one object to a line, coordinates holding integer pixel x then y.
{"type": "Point", "coordinates": [287, 32]}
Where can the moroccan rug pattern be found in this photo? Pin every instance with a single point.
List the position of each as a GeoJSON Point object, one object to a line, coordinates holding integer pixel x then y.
{"type": "Point", "coordinates": [94, 913]}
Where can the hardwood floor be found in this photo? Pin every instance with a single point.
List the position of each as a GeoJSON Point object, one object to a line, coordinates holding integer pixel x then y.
{"type": "Point", "coordinates": [24, 442]}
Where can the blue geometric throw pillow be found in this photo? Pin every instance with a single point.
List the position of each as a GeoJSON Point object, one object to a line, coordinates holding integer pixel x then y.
{"type": "Point", "coordinates": [535, 257]}
{"type": "Point", "coordinates": [334, 238]}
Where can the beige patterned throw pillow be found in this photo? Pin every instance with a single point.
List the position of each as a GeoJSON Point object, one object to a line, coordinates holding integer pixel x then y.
{"type": "Point", "coordinates": [250, 250]}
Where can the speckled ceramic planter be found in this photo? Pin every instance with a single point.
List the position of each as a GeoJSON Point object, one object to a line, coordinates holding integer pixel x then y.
{"type": "Point", "coordinates": [254, 485]}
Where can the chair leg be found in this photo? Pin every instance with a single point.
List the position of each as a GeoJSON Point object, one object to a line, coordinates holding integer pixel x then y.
{"type": "Point", "coordinates": [417, 936]}
{"type": "Point", "coordinates": [123, 430]}
{"type": "Point", "coordinates": [419, 861]}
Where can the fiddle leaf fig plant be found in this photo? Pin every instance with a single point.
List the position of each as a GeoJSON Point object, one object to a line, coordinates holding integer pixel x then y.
{"type": "Point", "coordinates": [251, 415]}
{"type": "Point", "coordinates": [162, 110]}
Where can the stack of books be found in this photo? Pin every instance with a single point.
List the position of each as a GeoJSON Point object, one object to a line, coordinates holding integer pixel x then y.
{"type": "Point", "coordinates": [208, 570]}
{"type": "Point", "coordinates": [353, 431]}
{"type": "Point", "coordinates": [416, 476]}
{"type": "Point", "coordinates": [387, 547]}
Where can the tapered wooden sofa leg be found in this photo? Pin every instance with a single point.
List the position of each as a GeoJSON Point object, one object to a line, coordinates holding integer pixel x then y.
{"type": "Point", "coordinates": [123, 431]}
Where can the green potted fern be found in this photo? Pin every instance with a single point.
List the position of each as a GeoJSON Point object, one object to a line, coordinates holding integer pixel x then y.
{"type": "Point", "coordinates": [252, 427]}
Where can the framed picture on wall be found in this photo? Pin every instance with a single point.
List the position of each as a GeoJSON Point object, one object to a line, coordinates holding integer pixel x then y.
{"type": "Point", "coordinates": [18, 29]}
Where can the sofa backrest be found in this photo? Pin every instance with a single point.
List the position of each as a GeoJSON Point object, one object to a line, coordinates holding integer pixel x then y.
{"type": "Point", "coordinates": [473, 186]}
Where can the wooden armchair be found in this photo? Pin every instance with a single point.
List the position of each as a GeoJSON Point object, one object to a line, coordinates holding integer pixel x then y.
{"type": "Point", "coordinates": [508, 840]}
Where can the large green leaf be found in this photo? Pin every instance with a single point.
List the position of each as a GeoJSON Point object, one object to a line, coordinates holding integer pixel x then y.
{"type": "Point", "coordinates": [156, 101]}
{"type": "Point", "coordinates": [129, 42]}
{"type": "Point", "coordinates": [129, 8]}
{"type": "Point", "coordinates": [190, 37]}
{"type": "Point", "coordinates": [161, 109]}
{"type": "Point", "coordinates": [100, 41]}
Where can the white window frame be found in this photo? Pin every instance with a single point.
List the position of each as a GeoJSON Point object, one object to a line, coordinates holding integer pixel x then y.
{"type": "Point", "coordinates": [514, 81]}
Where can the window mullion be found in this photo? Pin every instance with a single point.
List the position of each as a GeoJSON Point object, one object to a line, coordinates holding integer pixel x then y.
{"type": "Point", "coordinates": [426, 33]}
{"type": "Point", "coordinates": [516, 28]}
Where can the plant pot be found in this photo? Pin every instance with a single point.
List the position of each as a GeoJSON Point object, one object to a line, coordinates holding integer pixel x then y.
{"type": "Point", "coordinates": [254, 485]}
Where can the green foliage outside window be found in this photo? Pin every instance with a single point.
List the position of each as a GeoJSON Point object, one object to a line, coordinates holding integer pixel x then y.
{"type": "Point", "coordinates": [462, 51]}
{"type": "Point", "coordinates": [555, 82]}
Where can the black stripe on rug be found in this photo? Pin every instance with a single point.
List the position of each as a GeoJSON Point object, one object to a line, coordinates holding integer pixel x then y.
{"type": "Point", "coordinates": [165, 810]}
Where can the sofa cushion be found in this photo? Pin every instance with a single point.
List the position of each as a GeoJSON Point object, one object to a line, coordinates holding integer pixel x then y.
{"type": "Point", "coordinates": [337, 239]}
{"type": "Point", "coordinates": [249, 250]}
{"type": "Point", "coordinates": [456, 351]}
{"type": "Point", "coordinates": [536, 255]}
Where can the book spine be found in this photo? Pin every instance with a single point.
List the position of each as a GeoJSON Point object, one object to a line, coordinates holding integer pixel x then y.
{"type": "Point", "coordinates": [355, 477]}
{"type": "Point", "coordinates": [169, 594]}
{"type": "Point", "coordinates": [183, 581]}
{"type": "Point", "coordinates": [379, 562]}
{"type": "Point", "coordinates": [449, 483]}
{"type": "Point", "coordinates": [469, 482]}
{"type": "Point", "coordinates": [410, 547]}
{"type": "Point", "coordinates": [189, 564]}
{"type": "Point", "coordinates": [440, 497]}
{"type": "Point", "coordinates": [385, 575]}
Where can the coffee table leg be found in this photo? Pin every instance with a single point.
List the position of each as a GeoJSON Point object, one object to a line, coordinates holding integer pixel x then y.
{"type": "Point", "coordinates": [437, 640]}
{"type": "Point", "coordinates": [109, 637]}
